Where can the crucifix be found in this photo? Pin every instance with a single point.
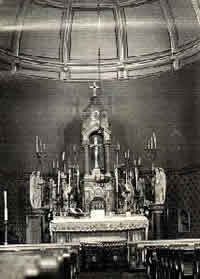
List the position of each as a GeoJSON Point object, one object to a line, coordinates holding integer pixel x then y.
{"type": "Point", "coordinates": [94, 86]}
{"type": "Point", "coordinates": [96, 152]}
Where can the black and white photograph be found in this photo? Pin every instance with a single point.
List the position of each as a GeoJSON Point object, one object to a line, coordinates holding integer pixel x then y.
{"type": "Point", "coordinates": [99, 139]}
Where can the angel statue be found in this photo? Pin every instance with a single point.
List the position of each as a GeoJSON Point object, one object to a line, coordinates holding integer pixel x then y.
{"type": "Point", "coordinates": [67, 194]}
{"type": "Point", "coordinates": [159, 184]}
{"type": "Point", "coordinates": [128, 195]}
{"type": "Point", "coordinates": [36, 182]}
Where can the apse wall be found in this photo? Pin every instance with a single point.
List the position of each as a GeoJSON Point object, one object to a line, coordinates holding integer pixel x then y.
{"type": "Point", "coordinates": [166, 104]}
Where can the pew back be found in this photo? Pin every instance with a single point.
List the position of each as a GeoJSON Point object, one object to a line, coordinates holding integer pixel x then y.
{"type": "Point", "coordinates": [39, 261]}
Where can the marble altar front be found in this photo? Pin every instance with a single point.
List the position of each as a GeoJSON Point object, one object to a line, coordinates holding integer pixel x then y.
{"type": "Point", "coordinates": [102, 229]}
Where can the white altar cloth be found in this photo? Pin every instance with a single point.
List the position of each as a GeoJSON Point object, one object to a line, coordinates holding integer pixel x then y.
{"type": "Point", "coordinates": [106, 224]}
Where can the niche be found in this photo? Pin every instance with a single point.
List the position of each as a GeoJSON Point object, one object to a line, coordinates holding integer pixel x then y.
{"type": "Point", "coordinates": [183, 220]}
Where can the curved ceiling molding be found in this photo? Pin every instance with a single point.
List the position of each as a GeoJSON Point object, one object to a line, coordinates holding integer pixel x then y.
{"type": "Point", "coordinates": [73, 40]}
{"type": "Point", "coordinates": [91, 3]}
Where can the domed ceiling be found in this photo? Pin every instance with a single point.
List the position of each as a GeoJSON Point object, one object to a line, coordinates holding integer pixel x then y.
{"type": "Point", "coordinates": [90, 39]}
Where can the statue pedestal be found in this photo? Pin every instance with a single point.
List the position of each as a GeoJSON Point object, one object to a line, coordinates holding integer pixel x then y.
{"type": "Point", "coordinates": [157, 221]}
{"type": "Point", "coordinates": [35, 226]}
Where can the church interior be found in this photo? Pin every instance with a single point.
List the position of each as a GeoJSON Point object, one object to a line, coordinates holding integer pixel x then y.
{"type": "Point", "coordinates": [99, 139]}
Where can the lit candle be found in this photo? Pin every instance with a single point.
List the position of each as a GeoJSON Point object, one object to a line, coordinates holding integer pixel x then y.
{"type": "Point", "coordinates": [139, 161]}
{"type": "Point", "coordinates": [78, 173]}
{"type": "Point", "coordinates": [128, 153]}
{"type": "Point", "coordinates": [54, 165]}
{"type": "Point", "coordinates": [58, 182]}
{"type": "Point", "coordinates": [151, 144]}
{"type": "Point", "coordinates": [5, 207]}
{"type": "Point", "coordinates": [63, 155]}
{"type": "Point", "coordinates": [65, 168]}
{"type": "Point", "coordinates": [74, 147]}
{"type": "Point", "coordinates": [118, 146]}
{"type": "Point", "coordinates": [116, 179]}
{"type": "Point", "coordinates": [117, 158]}
{"type": "Point", "coordinates": [69, 177]}
{"type": "Point", "coordinates": [40, 145]}
{"type": "Point", "coordinates": [37, 144]}
{"type": "Point", "coordinates": [136, 177]}
{"type": "Point", "coordinates": [155, 140]}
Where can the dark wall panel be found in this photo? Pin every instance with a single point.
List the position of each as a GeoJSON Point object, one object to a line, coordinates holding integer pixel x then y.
{"type": "Point", "coordinates": [167, 104]}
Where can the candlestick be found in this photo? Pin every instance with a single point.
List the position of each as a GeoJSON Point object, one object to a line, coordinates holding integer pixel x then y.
{"type": "Point", "coordinates": [40, 145]}
{"type": "Point", "coordinates": [136, 177]}
{"type": "Point", "coordinates": [126, 179]}
{"type": "Point", "coordinates": [74, 147]}
{"type": "Point", "coordinates": [77, 173]}
{"type": "Point", "coordinates": [69, 177]}
{"type": "Point", "coordinates": [118, 146]}
{"type": "Point", "coordinates": [58, 181]}
{"type": "Point", "coordinates": [53, 164]}
{"type": "Point", "coordinates": [37, 144]}
{"type": "Point", "coordinates": [65, 168]}
{"type": "Point", "coordinates": [155, 140]}
{"type": "Point", "coordinates": [116, 178]}
{"type": "Point", "coordinates": [148, 145]}
{"type": "Point", "coordinates": [5, 207]}
{"type": "Point", "coordinates": [6, 214]}
{"type": "Point", "coordinates": [151, 143]}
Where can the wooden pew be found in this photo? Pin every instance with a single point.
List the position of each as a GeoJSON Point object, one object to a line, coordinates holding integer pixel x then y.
{"type": "Point", "coordinates": [165, 257]}
{"type": "Point", "coordinates": [196, 267]}
{"type": "Point", "coordinates": [39, 261]}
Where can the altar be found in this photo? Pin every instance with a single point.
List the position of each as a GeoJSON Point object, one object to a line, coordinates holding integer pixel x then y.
{"type": "Point", "coordinates": [109, 228]}
{"type": "Point", "coordinates": [96, 192]}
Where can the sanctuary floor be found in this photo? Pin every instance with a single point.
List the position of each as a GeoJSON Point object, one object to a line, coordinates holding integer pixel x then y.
{"type": "Point", "coordinates": [112, 275]}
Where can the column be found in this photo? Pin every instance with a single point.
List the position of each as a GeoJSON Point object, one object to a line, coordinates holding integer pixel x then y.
{"type": "Point", "coordinates": [107, 158]}
{"type": "Point", "coordinates": [157, 222]}
{"type": "Point", "coordinates": [86, 154]}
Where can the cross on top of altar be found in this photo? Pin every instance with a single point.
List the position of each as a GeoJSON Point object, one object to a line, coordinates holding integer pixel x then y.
{"type": "Point", "coordinates": [96, 145]}
{"type": "Point", "coordinates": [94, 86]}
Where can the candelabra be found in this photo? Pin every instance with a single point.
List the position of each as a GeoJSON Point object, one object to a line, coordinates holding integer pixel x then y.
{"type": "Point", "coordinates": [151, 149]}
{"type": "Point", "coordinates": [40, 148]}
{"type": "Point", "coordinates": [41, 154]}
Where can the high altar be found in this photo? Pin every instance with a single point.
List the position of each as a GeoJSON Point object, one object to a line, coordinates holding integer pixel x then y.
{"type": "Point", "coordinates": [99, 201]}
{"type": "Point", "coordinates": [99, 189]}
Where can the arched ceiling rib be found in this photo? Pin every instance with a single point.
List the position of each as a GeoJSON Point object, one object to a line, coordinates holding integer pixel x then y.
{"type": "Point", "coordinates": [135, 25]}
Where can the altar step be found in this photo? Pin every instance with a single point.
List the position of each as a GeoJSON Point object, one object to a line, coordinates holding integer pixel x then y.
{"type": "Point", "coordinates": [112, 275]}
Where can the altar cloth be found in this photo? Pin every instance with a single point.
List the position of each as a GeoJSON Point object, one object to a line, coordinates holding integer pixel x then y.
{"type": "Point", "coordinates": [107, 223]}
